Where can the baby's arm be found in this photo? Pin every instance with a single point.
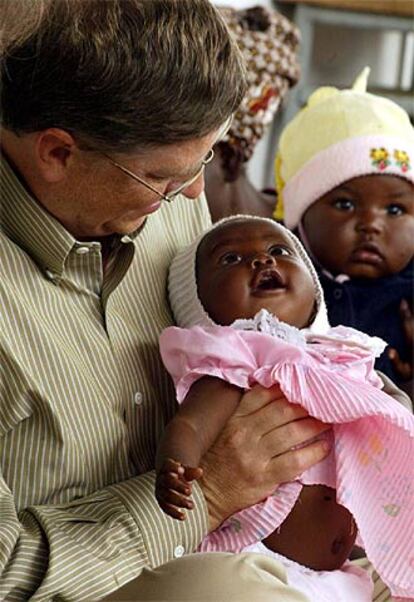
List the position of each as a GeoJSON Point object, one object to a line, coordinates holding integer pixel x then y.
{"type": "Point", "coordinates": [198, 422]}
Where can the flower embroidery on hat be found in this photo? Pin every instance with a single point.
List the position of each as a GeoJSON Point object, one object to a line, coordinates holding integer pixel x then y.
{"type": "Point", "coordinates": [380, 158]}
{"type": "Point", "coordinates": [402, 160]}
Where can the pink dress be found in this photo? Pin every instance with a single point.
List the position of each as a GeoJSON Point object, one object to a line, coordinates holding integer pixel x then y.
{"type": "Point", "coordinates": [371, 464]}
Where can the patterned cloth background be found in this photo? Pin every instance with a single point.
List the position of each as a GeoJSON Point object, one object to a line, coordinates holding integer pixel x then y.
{"type": "Point", "coordinates": [269, 43]}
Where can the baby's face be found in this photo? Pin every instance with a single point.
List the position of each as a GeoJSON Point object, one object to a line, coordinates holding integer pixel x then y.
{"type": "Point", "coordinates": [245, 266]}
{"type": "Point", "coordinates": [363, 228]}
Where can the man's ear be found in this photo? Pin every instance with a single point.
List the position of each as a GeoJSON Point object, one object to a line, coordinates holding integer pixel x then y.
{"type": "Point", "coordinates": [54, 152]}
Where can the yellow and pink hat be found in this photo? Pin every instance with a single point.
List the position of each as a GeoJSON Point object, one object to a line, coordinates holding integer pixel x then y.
{"type": "Point", "coordinates": [337, 136]}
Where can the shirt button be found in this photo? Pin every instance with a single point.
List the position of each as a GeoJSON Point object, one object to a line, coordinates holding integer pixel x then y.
{"type": "Point", "coordinates": [138, 398]}
{"type": "Point", "coordinates": [50, 275]}
{"type": "Point", "coordinates": [337, 293]}
{"type": "Point", "coordinates": [82, 250]}
{"type": "Point", "coordinates": [179, 551]}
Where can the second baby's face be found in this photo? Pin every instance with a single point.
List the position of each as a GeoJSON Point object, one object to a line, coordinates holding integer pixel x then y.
{"type": "Point", "coordinates": [363, 228]}
{"type": "Point", "coordinates": [245, 266]}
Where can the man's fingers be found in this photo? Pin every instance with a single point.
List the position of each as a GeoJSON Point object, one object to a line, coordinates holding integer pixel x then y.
{"type": "Point", "coordinates": [257, 398]}
{"type": "Point", "coordinates": [290, 465]}
{"type": "Point", "coordinates": [284, 438]}
{"type": "Point", "coordinates": [278, 413]}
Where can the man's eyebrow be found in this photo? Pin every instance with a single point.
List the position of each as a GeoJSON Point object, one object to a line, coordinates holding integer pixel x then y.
{"type": "Point", "coordinates": [183, 175]}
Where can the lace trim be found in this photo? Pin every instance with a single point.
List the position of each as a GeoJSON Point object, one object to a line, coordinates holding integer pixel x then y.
{"type": "Point", "coordinates": [267, 323]}
{"type": "Point", "coordinates": [350, 337]}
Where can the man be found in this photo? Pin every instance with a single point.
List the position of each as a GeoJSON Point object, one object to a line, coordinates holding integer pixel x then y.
{"type": "Point", "coordinates": [108, 109]}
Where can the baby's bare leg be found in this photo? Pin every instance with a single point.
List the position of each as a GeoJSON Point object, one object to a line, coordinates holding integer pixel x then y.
{"type": "Point", "coordinates": [318, 533]}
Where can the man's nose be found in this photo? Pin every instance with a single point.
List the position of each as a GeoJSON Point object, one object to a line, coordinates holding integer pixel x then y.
{"type": "Point", "coordinates": [194, 190]}
{"type": "Point", "coordinates": [263, 259]}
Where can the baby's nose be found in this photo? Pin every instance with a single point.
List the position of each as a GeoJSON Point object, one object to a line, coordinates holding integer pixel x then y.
{"type": "Point", "coordinates": [263, 259]}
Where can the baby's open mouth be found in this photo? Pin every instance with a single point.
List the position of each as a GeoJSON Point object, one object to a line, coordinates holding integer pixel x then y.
{"type": "Point", "coordinates": [268, 280]}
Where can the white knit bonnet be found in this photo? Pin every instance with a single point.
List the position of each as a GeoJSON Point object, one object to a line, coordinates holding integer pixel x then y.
{"type": "Point", "coordinates": [182, 285]}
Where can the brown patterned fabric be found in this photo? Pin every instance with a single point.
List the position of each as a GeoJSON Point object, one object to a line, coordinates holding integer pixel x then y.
{"type": "Point", "coordinates": [268, 42]}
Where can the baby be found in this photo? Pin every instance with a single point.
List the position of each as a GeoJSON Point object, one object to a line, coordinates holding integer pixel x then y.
{"type": "Point", "coordinates": [250, 310]}
{"type": "Point", "coordinates": [345, 179]}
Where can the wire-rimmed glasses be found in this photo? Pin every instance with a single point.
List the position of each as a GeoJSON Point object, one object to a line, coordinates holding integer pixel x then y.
{"type": "Point", "coordinates": [173, 193]}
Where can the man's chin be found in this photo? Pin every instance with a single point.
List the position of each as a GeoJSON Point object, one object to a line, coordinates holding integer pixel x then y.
{"type": "Point", "coordinates": [124, 227]}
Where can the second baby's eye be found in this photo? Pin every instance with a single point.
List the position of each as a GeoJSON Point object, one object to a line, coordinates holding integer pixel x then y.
{"type": "Point", "coordinates": [230, 259]}
{"type": "Point", "coordinates": [395, 210]}
{"type": "Point", "coordinates": [343, 204]}
{"type": "Point", "coordinates": [277, 250]}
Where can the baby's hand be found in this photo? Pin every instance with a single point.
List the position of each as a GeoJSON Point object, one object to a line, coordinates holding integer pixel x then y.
{"type": "Point", "coordinates": [404, 368]}
{"type": "Point", "coordinates": [173, 487]}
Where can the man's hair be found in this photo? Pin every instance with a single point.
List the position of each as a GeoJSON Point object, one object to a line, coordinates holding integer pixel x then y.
{"type": "Point", "coordinates": [118, 74]}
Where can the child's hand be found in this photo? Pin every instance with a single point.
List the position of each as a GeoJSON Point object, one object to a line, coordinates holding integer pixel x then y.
{"type": "Point", "coordinates": [404, 368]}
{"type": "Point", "coordinates": [173, 487]}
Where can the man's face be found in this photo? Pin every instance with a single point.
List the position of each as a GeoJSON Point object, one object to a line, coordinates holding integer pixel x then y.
{"type": "Point", "coordinates": [243, 267]}
{"type": "Point", "coordinates": [363, 228]}
{"type": "Point", "coordinates": [99, 199]}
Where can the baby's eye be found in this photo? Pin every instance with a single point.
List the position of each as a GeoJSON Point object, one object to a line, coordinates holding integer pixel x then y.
{"type": "Point", "coordinates": [343, 204]}
{"type": "Point", "coordinates": [276, 250]}
{"type": "Point", "coordinates": [230, 259]}
{"type": "Point", "coordinates": [395, 210]}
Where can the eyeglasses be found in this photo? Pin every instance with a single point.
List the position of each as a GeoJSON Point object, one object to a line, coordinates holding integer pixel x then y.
{"type": "Point", "coordinates": [173, 193]}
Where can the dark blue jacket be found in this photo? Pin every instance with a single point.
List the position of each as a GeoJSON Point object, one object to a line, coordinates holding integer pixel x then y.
{"type": "Point", "coordinates": [373, 307]}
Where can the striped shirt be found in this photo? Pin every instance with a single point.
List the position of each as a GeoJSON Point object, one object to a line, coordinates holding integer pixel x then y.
{"type": "Point", "coordinates": [83, 401]}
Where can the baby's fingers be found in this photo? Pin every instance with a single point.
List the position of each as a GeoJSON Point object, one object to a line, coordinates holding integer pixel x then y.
{"type": "Point", "coordinates": [169, 496]}
{"type": "Point", "coordinates": [192, 473]}
{"type": "Point", "coordinates": [170, 465]}
{"type": "Point", "coordinates": [407, 317]}
{"type": "Point", "coordinates": [172, 510]}
{"type": "Point", "coordinates": [404, 369]}
{"type": "Point", "coordinates": [173, 481]}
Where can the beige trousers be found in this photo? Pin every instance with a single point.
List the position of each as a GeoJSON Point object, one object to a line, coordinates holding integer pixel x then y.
{"type": "Point", "coordinates": [212, 577]}
{"type": "Point", "coordinates": [221, 577]}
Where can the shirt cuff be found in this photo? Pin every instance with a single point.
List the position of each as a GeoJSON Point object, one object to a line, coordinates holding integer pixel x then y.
{"type": "Point", "coordinates": [164, 537]}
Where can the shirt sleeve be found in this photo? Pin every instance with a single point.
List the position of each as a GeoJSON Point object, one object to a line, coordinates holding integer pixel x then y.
{"type": "Point", "coordinates": [90, 547]}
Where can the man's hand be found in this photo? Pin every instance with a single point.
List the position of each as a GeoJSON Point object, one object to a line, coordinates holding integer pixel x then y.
{"type": "Point", "coordinates": [404, 368]}
{"type": "Point", "coordinates": [253, 453]}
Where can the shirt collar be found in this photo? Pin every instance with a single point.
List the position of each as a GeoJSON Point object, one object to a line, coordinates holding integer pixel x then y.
{"type": "Point", "coordinates": [33, 228]}
{"type": "Point", "coordinates": [30, 226]}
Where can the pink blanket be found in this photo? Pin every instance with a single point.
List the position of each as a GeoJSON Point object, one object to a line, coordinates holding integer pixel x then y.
{"type": "Point", "coordinates": [371, 465]}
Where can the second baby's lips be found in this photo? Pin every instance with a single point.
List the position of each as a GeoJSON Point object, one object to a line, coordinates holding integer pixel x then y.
{"type": "Point", "coordinates": [267, 280]}
{"type": "Point", "coordinates": [367, 253]}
